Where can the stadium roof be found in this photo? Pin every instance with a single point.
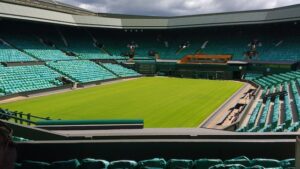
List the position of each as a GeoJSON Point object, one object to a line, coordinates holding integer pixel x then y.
{"type": "Point", "coordinates": [52, 5]}
{"type": "Point", "coordinates": [53, 12]}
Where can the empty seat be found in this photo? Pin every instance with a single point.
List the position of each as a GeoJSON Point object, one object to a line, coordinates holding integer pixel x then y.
{"type": "Point", "coordinates": [157, 163]}
{"type": "Point", "coordinates": [69, 164]}
{"type": "Point", "coordinates": [206, 163]}
{"type": "Point", "coordinates": [180, 164]}
{"type": "Point", "coordinates": [239, 160]}
{"type": "Point", "coordinates": [124, 164]}
{"type": "Point", "coordinates": [89, 163]}
{"type": "Point", "coordinates": [268, 163]}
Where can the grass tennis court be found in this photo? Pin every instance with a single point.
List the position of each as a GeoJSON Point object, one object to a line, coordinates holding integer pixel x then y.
{"type": "Point", "coordinates": [160, 101]}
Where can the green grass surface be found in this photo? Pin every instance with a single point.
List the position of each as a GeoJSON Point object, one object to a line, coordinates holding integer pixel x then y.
{"type": "Point", "coordinates": [160, 101]}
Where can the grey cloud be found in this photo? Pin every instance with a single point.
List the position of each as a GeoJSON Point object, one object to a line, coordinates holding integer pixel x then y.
{"type": "Point", "coordinates": [175, 7]}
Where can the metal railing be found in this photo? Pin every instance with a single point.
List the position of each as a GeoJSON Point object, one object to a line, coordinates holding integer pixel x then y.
{"type": "Point", "coordinates": [20, 117]}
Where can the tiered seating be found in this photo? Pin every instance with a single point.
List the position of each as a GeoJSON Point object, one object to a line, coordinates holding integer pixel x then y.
{"type": "Point", "coordinates": [228, 44]}
{"type": "Point", "coordinates": [296, 97]}
{"type": "Point", "coordinates": [33, 46]}
{"type": "Point", "coordinates": [287, 106]}
{"type": "Point", "coordinates": [264, 114]}
{"type": "Point", "coordinates": [120, 70]}
{"type": "Point", "coordinates": [254, 115]}
{"type": "Point", "coordinates": [27, 78]}
{"type": "Point", "coordinates": [287, 50]}
{"type": "Point", "coordinates": [83, 45]}
{"type": "Point", "coordinates": [241, 162]}
{"type": "Point", "coordinates": [116, 43]}
{"type": "Point", "coordinates": [276, 110]}
{"type": "Point", "coordinates": [10, 54]}
{"type": "Point", "coordinates": [286, 80]}
{"type": "Point", "coordinates": [82, 71]}
{"type": "Point", "coordinates": [251, 76]}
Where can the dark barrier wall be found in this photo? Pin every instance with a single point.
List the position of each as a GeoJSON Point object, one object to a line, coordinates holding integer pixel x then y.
{"type": "Point", "coordinates": [138, 149]}
{"type": "Point", "coordinates": [221, 71]}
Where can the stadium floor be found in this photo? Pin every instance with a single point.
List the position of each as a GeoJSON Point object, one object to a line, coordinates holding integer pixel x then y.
{"type": "Point", "coordinates": [161, 101]}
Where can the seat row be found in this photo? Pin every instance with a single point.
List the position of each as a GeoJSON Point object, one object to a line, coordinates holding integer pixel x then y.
{"type": "Point", "coordinates": [284, 82]}
{"type": "Point", "coordinates": [35, 47]}
{"type": "Point", "coordinates": [27, 78]}
{"type": "Point", "coordinates": [81, 71]}
{"type": "Point", "coordinates": [241, 162]}
{"type": "Point", "coordinates": [10, 54]}
{"type": "Point", "coordinates": [120, 70]}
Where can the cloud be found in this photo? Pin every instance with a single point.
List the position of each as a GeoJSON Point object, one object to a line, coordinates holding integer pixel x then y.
{"type": "Point", "coordinates": [175, 7]}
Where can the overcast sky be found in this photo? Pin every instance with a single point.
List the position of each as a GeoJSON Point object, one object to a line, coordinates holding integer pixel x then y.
{"type": "Point", "coordinates": [175, 7]}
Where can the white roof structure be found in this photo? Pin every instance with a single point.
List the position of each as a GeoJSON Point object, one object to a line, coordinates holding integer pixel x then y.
{"type": "Point", "coordinates": [68, 15]}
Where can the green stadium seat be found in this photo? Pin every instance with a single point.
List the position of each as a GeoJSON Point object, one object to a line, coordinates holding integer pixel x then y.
{"type": "Point", "coordinates": [122, 164]}
{"type": "Point", "coordinates": [89, 163]}
{"type": "Point", "coordinates": [206, 163]}
{"type": "Point", "coordinates": [69, 164]}
{"type": "Point", "coordinates": [180, 164]}
{"type": "Point", "coordinates": [288, 163]}
{"type": "Point", "coordinates": [239, 160]}
{"type": "Point", "coordinates": [228, 166]}
{"type": "Point", "coordinates": [157, 163]}
{"type": "Point", "coordinates": [256, 167]}
{"type": "Point", "coordinates": [268, 163]}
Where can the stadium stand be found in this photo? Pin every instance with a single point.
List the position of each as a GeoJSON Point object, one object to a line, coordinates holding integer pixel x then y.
{"type": "Point", "coordinates": [85, 46]}
{"type": "Point", "coordinates": [251, 76]}
{"type": "Point", "coordinates": [120, 70]}
{"type": "Point", "coordinates": [34, 46]}
{"type": "Point", "coordinates": [289, 82]}
{"type": "Point", "coordinates": [82, 71]}
{"type": "Point", "coordinates": [27, 78]}
{"type": "Point", "coordinates": [79, 46]}
{"type": "Point", "coordinates": [10, 54]}
{"type": "Point", "coordinates": [119, 44]}
{"type": "Point", "coordinates": [241, 162]}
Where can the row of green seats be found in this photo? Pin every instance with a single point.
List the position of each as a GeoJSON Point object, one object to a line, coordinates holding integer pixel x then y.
{"type": "Point", "coordinates": [276, 110]}
{"type": "Point", "coordinates": [120, 70]}
{"type": "Point", "coordinates": [83, 45]}
{"type": "Point", "coordinates": [82, 71]}
{"type": "Point", "coordinates": [241, 162]}
{"type": "Point", "coordinates": [296, 97]}
{"type": "Point", "coordinates": [285, 80]}
{"type": "Point", "coordinates": [251, 76]}
{"type": "Point", "coordinates": [287, 106]}
{"type": "Point", "coordinates": [254, 115]}
{"type": "Point", "coordinates": [275, 79]}
{"type": "Point", "coordinates": [27, 78]}
{"type": "Point", "coordinates": [35, 47]}
{"type": "Point", "coordinates": [294, 127]}
{"type": "Point", "coordinates": [10, 54]}
{"type": "Point", "coordinates": [263, 117]}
